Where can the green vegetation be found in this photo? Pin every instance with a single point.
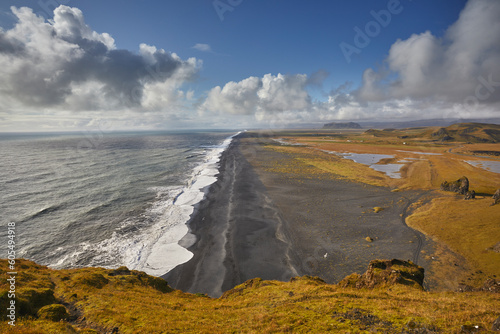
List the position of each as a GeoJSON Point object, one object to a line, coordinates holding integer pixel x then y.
{"type": "Point", "coordinates": [96, 300]}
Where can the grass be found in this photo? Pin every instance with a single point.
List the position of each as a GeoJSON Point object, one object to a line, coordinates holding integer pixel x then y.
{"type": "Point", "coordinates": [470, 228]}
{"type": "Point", "coordinates": [303, 305]}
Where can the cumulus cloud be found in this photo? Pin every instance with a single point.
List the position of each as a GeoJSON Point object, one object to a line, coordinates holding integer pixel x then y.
{"type": "Point", "coordinates": [425, 76]}
{"type": "Point", "coordinates": [63, 64]}
{"type": "Point", "coordinates": [461, 69]}
{"type": "Point", "coordinates": [271, 94]}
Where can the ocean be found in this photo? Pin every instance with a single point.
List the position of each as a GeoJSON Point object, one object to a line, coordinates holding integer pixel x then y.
{"type": "Point", "coordinates": [106, 200]}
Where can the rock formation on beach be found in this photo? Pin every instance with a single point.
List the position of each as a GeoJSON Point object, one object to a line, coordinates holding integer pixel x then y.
{"type": "Point", "coordinates": [496, 197]}
{"type": "Point", "coordinates": [460, 186]}
{"type": "Point", "coordinates": [471, 194]}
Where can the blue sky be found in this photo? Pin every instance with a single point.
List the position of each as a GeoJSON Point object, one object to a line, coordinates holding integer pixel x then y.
{"type": "Point", "coordinates": [265, 62]}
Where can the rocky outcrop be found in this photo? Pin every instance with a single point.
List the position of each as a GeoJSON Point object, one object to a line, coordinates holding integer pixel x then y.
{"type": "Point", "coordinates": [496, 197]}
{"type": "Point", "coordinates": [460, 186]}
{"type": "Point", "coordinates": [471, 194]}
{"type": "Point", "coordinates": [387, 272]}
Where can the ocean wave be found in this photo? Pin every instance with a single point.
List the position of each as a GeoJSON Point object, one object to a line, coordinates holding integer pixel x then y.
{"type": "Point", "coordinates": [154, 248]}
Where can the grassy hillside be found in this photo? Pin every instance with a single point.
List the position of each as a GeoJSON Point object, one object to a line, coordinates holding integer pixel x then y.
{"type": "Point", "coordinates": [462, 132]}
{"type": "Point", "coordinates": [386, 299]}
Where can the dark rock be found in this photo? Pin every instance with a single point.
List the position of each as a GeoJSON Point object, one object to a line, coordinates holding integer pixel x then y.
{"type": "Point", "coordinates": [387, 272]}
{"type": "Point", "coordinates": [496, 325]}
{"type": "Point", "coordinates": [471, 194]}
{"type": "Point", "coordinates": [350, 125]}
{"type": "Point", "coordinates": [460, 186]}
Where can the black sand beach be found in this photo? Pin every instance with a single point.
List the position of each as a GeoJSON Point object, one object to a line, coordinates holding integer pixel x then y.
{"type": "Point", "coordinates": [258, 223]}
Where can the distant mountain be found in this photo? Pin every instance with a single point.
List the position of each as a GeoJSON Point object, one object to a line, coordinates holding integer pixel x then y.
{"type": "Point", "coordinates": [350, 125]}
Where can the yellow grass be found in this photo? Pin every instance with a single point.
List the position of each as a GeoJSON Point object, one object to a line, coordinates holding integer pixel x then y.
{"type": "Point", "coordinates": [470, 228]}
{"type": "Point", "coordinates": [305, 305]}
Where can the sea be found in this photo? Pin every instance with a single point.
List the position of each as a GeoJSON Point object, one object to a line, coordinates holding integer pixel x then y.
{"type": "Point", "coordinates": [105, 199]}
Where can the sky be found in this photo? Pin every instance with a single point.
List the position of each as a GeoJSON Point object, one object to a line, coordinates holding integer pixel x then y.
{"type": "Point", "coordinates": [72, 65]}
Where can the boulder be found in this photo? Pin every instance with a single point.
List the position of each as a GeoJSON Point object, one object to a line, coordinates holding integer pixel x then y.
{"type": "Point", "coordinates": [460, 186]}
{"type": "Point", "coordinates": [471, 194]}
{"type": "Point", "coordinates": [496, 197]}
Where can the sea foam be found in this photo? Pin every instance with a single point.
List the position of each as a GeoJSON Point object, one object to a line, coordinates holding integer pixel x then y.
{"type": "Point", "coordinates": [156, 249]}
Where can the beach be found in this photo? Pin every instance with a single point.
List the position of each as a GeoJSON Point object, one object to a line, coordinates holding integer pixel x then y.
{"type": "Point", "coordinates": [259, 222]}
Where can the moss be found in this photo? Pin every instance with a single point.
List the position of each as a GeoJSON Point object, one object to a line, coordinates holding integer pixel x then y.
{"type": "Point", "coordinates": [314, 280]}
{"type": "Point", "coordinates": [121, 271]}
{"type": "Point", "coordinates": [94, 280]}
{"type": "Point", "coordinates": [29, 301]}
{"type": "Point", "coordinates": [53, 312]}
{"type": "Point", "coordinates": [156, 283]}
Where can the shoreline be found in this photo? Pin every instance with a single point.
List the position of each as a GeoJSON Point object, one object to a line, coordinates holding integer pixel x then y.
{"type": "Point", "coordinates": [255, 222]}
{"type": "Point", "coordinates": [235, 227]}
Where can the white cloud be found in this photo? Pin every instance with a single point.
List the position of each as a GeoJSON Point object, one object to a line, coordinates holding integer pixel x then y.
{"type": "Point", "coordinates": [202, 47]}
{"type": "Point", "coordinates": [63, 64]}
{"type": "Point", "coordinates": [262, 97]}
{"type": "Point", "coordinates": [460, 70]}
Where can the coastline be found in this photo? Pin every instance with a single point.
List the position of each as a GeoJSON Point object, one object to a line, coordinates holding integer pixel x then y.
{"type": "Point", "coordinates": [255, 222]}
{"type": "Point", "coordinates": [235, 226]}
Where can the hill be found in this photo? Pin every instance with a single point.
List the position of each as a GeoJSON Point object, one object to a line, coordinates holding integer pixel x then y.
{"type": "Point", "coordinates": [469, 132]}
{"type": "Point", "coordinates": [462, 132]}
{"type": "Point", "coordinates": [350, 125]}
{"type": "Point", "coordinates": [387, 298]}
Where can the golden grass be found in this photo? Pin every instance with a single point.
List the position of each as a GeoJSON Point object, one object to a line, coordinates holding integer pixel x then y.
{"type": "Point", "coordinates": [306, 305]}
{"type": "Point", "coordinates": [421, 170]}
{"type": "Point", "coordinates": [469, 228]}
